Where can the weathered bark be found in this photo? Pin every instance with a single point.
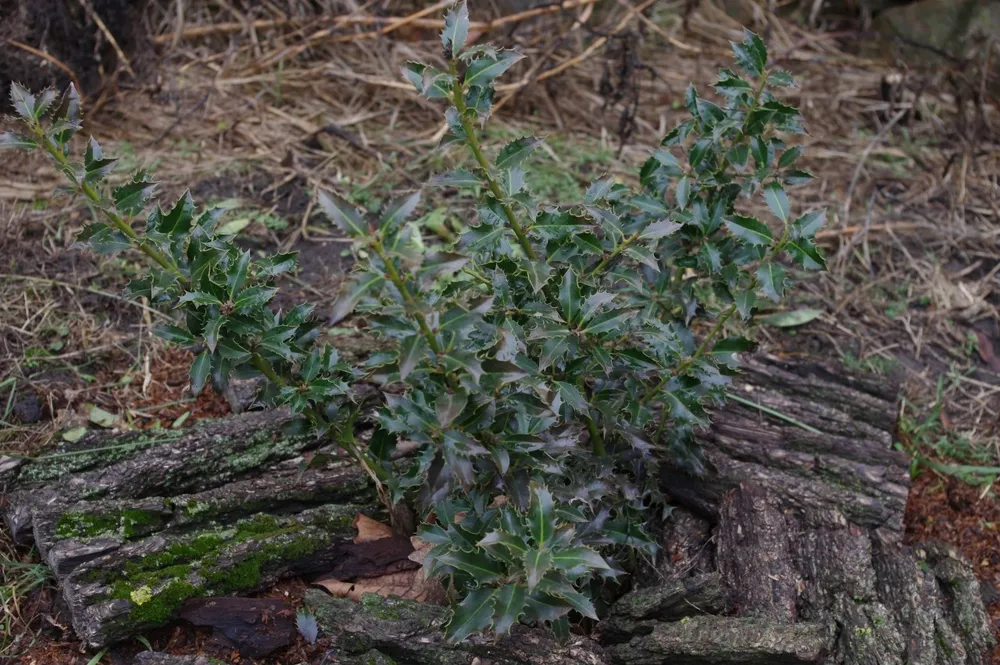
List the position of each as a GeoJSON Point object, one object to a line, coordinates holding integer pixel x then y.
{"type": "Point", "coordinates": [142, 522]}
{"type": "Point", "coordinates": [809, 524]}
{"type": "Point", "coordinates": [787, 550]}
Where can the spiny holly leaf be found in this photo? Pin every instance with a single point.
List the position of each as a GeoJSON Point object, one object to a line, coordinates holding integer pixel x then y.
{"type": "Point", "coordinates": [745, 301]}
{"type": "Point", "coordinates": [732, 345]}
{"type": "Point", "coordinates": [808, 224]}
{"type": "Point", "coordinates": [211, 333]}
{"type": "Point", "coordinates": [238, 272]}
{"type": "Point", "coordinates": [572, 396]}
{"type": "Point", "coordinates": [576, 560]}
{"type": "Point", "coordinates": [174, 334]}
{"type": "Point", "coordinates": [806, 253]}
{"type": "Point", "coordinates": [538, 273]}
{"type": "Point", "coordinates": [508, 608]}
{"type": "Point", "coordinates": [536, 564]}
{"type": "Point", "coordinates": [777, 200]}
{"type": "Point", "coordinates": [772, 280]}
{"type": "Point", "coordinates": [477, 563]}
{"type": "Point", "coordinates": [399, 211]}
{"type": "Point", "coordinates": [456, 29]}
{"type": "Point", "coordinates": [789, 156]}
{"type": "Point", "coordinates": [132, 197]}
{"type": "Point", "coordinates": [16, 141]}
{"type": "Point", "coordinates": [751, 54]}
{"type": "Point", "coordinates": [253, 298]}
{"type": "Point", "coordinates": [781, 78]}
{"type": "Point", "coordinates": [411, 350]}
{"type": "Point", "coordinates": [749, 229]}
{"type": "Point", "coordinates": [199, 298]}
{"type": "Point", "coordinates": [569, 296]}
{"type": "Point", "coordinates": [660, 229]}
{"type": "Point", "coordinates": [343, 215]}
{"type": "Point", "coordinates": [449, 406]}
{"type": "Point", "coordinates": [541, 515]}
{"type": "Point", "coordinates": [472, 615]}
{"type": "Point", "coordinates": [200, 370]}
{"type": "Point", "coordinates": [515, 152]}
{"type": "Point", "coordinates": [482, 71]}
{"type": "Point", "coordinates": [683, 192]}
{"type": "Point", "coordinates": [352, 293]}
{"type": "Point", "coordinates": [22, 101]}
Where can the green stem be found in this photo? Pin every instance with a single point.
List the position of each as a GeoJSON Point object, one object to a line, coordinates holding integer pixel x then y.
{"type": "Point", "coordinates": [97, 198]}
{"type": "Point", "coordinates": [614, 254]}
{"type": "Point", "coordinates": [484, 164]}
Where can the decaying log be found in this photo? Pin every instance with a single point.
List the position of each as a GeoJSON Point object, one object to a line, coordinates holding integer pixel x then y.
{"type": "Point", "coordinates": [143, 522]}
{"type": "Point", "coordinates": [787, 550]}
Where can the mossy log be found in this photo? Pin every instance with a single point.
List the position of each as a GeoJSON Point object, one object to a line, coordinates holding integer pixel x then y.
{"type": "Point", "coordinates": [788, 549]}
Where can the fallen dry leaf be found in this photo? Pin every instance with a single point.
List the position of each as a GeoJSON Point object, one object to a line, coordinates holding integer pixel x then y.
{"type": "Point", "coordinates": [369, 529]}
{"type": "Point", "coordinates": [986, 352]}
{"type": "Point", "coordinates": [408, 584]}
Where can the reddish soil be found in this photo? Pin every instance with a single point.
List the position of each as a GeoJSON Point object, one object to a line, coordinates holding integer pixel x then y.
{"type": "Point", "coordinates": [948, 510]}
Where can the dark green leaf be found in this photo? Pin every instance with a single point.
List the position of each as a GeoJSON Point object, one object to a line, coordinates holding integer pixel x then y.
{"type": "Point", "coordinates": [508, 608]}
{"type": "Point", "coordinates": [538, 273]}
{"type": "Point", "coordinates": [614, 320]}
{"type": "Point", "coordinates": [463, 360]}
{"type": "Point", "coordinates": [806, 253]}
{"type": "Point", "coordinates": [515, 152]}
{"type": "Point", "coordinates": [200, 370]}
{"type": "Point", "coordinates": [553, 350]}
{"type": "Point", "coordinates": [16, 141]}
{"type": "Point", "coordinates": [199, 298]}
{"type": "Point", "coordinates": [174, 334]}
{"type": "Point", "coordinates": [683, 192]}
{"type": "Point", "coordinates": [780, 78]}
{"type": "Point", "coordinates": [777, 200]}
{"type": "Point", "coordinates": [541, 515]}
{"type": "Point", "coordinates": [482, 71]}
{"type": "Point", "coordinates": [808, 224]}
{"type": "Point", "coordinates": [399, 211]}
{"type": "Point", "coordinates": [22, 101]}
{"type": "Point", "coordinates": [731, 85]}
{"type": "Point", "coordinates": [276, 264]}
{"type": "Point", "coordinates": [751, 54]}
{"type": "Point", "coordinates": [789, 156]}
{"type": "Point", "coordinates": [598, 191]}
{"type": "Point", "coordinates": [796, 177]}
{"type": "Point", "coordinates": [343, 215]}
{"type": "Point", "coordinates": [745, 302]}
{"type": "Point", "coordinates": [449, 406]}
{"type": "Point", "coordinates": [574, 560]}
{"type": "Point", "coordinates": [472, 615]}
{"type": "Point", "coordinates": [352, 293]}
{"type": "Point", "coordinates": [658, 230]}
{"type": "Point", "coordinates": [237, 276]}
{"type": "Point", "coordinates": [749, 229]}
{"type": "Point", "coordinates": [133, 196]}
{"type": "Point", "coordinates": [643, 255]}
{"type": "Point", "coordinates": [411, 350]}
{"type": "Point", "coordinates": [772, 280]}
{"type": "Point", "coordinates": [477, 563]}
{"type": "Point", "coordinates": [536, 564]}
{"type": "Point", "coordinates": [732, 345]}
{"type": "Point", "coordinates": [253, 298]}
{"type": "Point", "coordinates": [211, 332]}
{"type": "Point", "coordinates": [569, 296]}
{"type": "Point", "coordinates": [456, 29]}
{"type": "Point", "coordinates": [571, 395]}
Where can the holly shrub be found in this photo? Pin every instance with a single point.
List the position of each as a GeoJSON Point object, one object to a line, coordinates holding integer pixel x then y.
{"type": "Point", "coordinates": [537, 370]}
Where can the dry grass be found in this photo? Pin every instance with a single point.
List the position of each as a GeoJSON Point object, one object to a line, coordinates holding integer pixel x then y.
{"type": "Point", "coordinates": [271, 103]}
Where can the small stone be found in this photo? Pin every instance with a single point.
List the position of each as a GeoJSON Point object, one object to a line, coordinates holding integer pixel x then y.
{"type": "Point", "coordinates": [28, 408]}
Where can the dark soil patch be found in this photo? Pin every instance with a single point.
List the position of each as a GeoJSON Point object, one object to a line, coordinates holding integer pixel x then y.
{"type": "Point", "coordinates": [66, 32]}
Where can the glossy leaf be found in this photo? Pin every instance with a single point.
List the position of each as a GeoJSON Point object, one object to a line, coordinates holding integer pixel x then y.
{"type": "Point", "coordinates": [200, 370]}
{"type": "Point", "coordinates": [472, 615]}
{"type": "Point", "coordinates": [749, 229]}
{"type": "Point", "coordinates": [342, 214]}
{"type": "Point", "coordinates": [456, 29]}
